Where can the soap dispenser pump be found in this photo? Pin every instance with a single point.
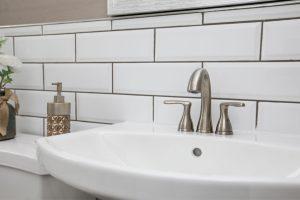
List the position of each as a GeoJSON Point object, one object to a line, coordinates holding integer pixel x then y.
{"type": "Point", "coordinates": [58, 114]}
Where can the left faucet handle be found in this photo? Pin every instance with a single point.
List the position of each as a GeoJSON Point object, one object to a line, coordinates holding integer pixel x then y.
{"type": "Point", "coordinates": [186, 123]}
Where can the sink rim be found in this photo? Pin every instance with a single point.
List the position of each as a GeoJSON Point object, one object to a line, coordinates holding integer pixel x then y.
{"type": "Point", "coordinates": [44, 145]}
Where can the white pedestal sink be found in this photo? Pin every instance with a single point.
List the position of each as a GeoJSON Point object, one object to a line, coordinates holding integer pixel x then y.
{"type": "Point", "coordinates": [139, 162]}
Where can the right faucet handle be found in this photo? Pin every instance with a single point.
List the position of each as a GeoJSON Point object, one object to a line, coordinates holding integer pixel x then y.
{"type": "Point", "coordinates": [224, 125]}
{"type": "Point", "coordinates": [186, 123]}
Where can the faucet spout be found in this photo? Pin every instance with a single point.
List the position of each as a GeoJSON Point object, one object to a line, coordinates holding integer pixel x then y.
{"type": "Point", "coordinates": [200, 83]}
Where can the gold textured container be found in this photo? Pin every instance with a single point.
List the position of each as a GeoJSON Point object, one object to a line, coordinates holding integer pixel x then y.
{"type": "Point", "coordinates": [58, 114]}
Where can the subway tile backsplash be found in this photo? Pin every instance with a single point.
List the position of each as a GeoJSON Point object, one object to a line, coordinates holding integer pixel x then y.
{"type": "Point", "coordinates": [30, 76]}
{"type": "Point", "coordinates": [30, 125]}
{"type": "Point", "coordinates": [281, 40]}
{"type": "Point", "coordinates": [158, 21]}
{"type": "Point", "coordinates": [209, 43]}
{"type": "Point", "coordinates": [116, 46]}
{"type": "Point", "coordinates": [255, 80]}
{"type": "Point", "coordinates": [83, 77]}
{"type": "Point", "coordinates": [153, 78]}
{"type": "Point", "coordinates": [51, 48]}
{"type": "Point", "coordinates": [34, 103]}
{"type": "Point", "coordinates": [111, 108]}
{"type": "Point", "coordinates": [8, 47]}
{"type": "Point", "coordinates": [18, 31]}
{"type": "Point", "coordinates": [253, 14]}
{"type": "Point", "coordinates": [77, 27]}
{"type": "Point", "coordinates": [122, 69]}
{"type": "Point", "coordinates": [79, 126]}
{"type": "Point", "coordinates": [279, 117]}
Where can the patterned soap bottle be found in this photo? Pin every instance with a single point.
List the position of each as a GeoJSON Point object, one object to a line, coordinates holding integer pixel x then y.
{"type": "Point", "coordinates": [58, 114]}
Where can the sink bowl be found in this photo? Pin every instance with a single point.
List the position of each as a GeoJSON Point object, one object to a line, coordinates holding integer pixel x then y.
{"type": "Point", "coordinates": [142, 165]}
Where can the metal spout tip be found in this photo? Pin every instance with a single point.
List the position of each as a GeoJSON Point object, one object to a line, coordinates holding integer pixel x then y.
{"type": "Point", "coordinates": [192, 88]}
{"type": "Point", "coordinates": [192, 91]}
{"type": "Point", "coordinates": [194, 85]}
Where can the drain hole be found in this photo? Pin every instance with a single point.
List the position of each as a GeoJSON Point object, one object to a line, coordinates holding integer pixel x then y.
{"type": "Point", "coordinates": [197, 152]}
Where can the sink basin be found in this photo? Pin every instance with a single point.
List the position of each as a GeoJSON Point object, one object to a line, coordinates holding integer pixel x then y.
{"type": "Point", "coordinates": [142, 165]}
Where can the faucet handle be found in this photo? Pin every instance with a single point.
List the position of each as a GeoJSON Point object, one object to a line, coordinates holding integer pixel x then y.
{"type": "Point", "coordinates": [224, 125]}
{"type": "Point", "coordinates": [186, 123]}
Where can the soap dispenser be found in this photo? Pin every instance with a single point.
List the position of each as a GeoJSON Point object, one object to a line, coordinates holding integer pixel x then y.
{"type": "Point", "coordinates": [58, 114]}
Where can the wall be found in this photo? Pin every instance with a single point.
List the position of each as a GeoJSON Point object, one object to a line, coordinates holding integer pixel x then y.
{"type": "Point", "coordinates": [36, 11]}
{"type": "Point", "coordinates": [122, 70]}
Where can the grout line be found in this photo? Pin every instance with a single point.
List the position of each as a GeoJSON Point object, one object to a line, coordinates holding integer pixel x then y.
{"type": "Point", "coordinates": [14, 48]}
{"type": "Point", "coordinates": [44, 127]}
{"type": "Point", "coordinates": [39, 117]}
{"type": "Point", "coordinates": [76, 105]}
{"type": "Point", "coordinates": [34, 116]}
{"type": "Point", "coordinates": [202, 18]}
{"type": "Point", "coordinates": [270, 5]}
{"type": "Point", "coordinates": [75, 38]}
{"type": "Point", "coordinates": [165, 95]}
{"type": "Point", "coordinates": [64, 62]}
{"type": "Point", "coordinates": [256, 118]}
{"type": "Point", "coordinates": [39, 35]}
{"type": "Point", "coordinates": [112, 78]}
{"type": "Point", "coordinates": [42, 28]}
{"type": "Point", "coordinates": [154, 46]}
{"type": "Point", "coordinates": [91, 122]}
{"type": "Point", "coordinates": [111, 24]}
{"type": "Point", "coordinates": [252, 21]}
{"type": "Point", "coordinates": [153, 109]}
{"type": "Point", "coordinates": [261, 40]}
{"type": "Point", "coordinates": [180, 61]}
{"type": "Point", "coordinates": [44, 81]}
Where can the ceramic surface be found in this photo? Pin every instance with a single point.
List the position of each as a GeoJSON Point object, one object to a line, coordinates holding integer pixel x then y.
{"type": "Point", "coordinates": [147, 162]}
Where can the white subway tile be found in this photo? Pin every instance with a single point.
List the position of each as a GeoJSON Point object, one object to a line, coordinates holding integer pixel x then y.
{"type": "Point", "coordinates": [264, 80]}
{"type": "Point", "coordinates": [281, 40]}
{"type": "Point", "coordinates": [30, 125]}
{"type": "Point", "coordinates": [241, 118]}
{"type": "Point", "coordinates": [158, 21]}
{"type": "Point", "coordinates": [279, 117]}
{"type": "Point", "coordinates": [34, 103]}
{"type": "Point", "coordinates": [134, 45]}
{"type": "Point", "coordinates": [80, 77]}
{"type": "Point", "coordinates": [29, 76]}
{"type": "Point", "coordinates": [213, 42]}
{"type": "Point", "coordinates": [8, 46]}
{"type": "Point", "coordinates": [114, 108]}
{"type": "Point", "coordinates": [17, 31]}
{"type": "Point", "coordinates": [153, 78]}
{"type": "Point", "coordinates": [51, 48]}
{"type": "Point", "coordinates": [251, 14]}
{"type": "Point", "coordinates": [77, 27]}
{"type": "Point", "coordinates": [80, 126]}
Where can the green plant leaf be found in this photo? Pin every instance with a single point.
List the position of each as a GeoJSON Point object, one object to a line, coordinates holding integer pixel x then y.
{"type": "Point", "coordinates": [2, 41]}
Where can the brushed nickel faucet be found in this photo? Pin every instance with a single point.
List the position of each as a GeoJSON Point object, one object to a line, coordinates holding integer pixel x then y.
{"type": "Point", "coordinates": [200, 83]}
{"type": "Point", "coordinates": [186, 123]}
{"type": "Point", "coordinates": [224, 125]}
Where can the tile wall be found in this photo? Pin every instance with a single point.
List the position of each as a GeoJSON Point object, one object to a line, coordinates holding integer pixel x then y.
{"type": "Point", "coordinates": [123, 69]}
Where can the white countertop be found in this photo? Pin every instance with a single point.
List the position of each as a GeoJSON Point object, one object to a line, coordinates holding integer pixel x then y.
{"type": "Point", "coordinates": [20, 153]}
